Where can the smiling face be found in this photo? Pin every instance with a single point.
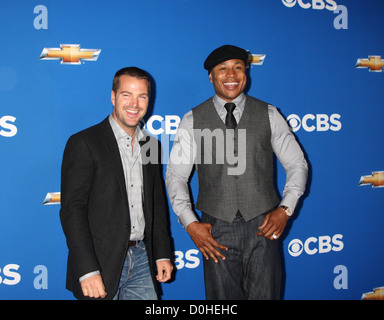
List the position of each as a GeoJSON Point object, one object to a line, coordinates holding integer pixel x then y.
{"type": "Point", "coordinates": [229, 79]}
{"type": "Point", "coordinates": [130, 102]}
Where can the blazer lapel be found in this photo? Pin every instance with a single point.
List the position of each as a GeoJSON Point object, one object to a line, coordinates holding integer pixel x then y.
{"type": "Point", "coordinates": [110, 143]}
{"type": "Point", "coordinates": [146, 169]}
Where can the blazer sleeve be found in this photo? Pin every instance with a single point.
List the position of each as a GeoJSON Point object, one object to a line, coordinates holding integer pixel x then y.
{"type": "Point", "coordinates": [161, 235]}
{"type": "Point", "coordinates": [76, 183]}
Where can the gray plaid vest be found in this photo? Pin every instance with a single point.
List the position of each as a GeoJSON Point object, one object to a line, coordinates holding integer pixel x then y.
{"type": "Point", "coordinates": [235, 173]}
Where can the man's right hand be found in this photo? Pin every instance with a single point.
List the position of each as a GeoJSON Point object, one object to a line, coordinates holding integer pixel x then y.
{"type": "Point", "coordinates": [93, 287]}
{"type": "Point", "coordinates": [201, 235]}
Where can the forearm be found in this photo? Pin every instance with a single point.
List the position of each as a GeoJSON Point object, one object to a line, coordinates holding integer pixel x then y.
{"type": "Point", "coordinates": [181, 162]}
{"type": "Point", "coordinates": [291, 157]}
{"type": "Point", "coordinates": [295, 184]}
{"type": "Point", "coordinates": [179, 196]}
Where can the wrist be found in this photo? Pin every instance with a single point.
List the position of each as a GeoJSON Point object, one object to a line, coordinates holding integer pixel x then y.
{"type": "Point", "coordinates": [288, 211]}
{"type": "Point", "coordinates": [191, 225]}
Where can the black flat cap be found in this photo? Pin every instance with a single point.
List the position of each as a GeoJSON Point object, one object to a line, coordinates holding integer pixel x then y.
{"type": "Point", "coordinates": [224, 53]}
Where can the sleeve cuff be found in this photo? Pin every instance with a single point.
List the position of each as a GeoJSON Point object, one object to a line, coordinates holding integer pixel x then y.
{"type": "Point", "coordinates": [186, 218]}
{"type": "Point", "coordinates": [290, 201]}
{"type": "Point", "coordinates": [88, 275]}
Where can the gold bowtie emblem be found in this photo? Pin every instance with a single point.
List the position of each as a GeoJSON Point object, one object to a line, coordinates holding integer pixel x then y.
{"type": "Point", "coordinates": [70, 54]}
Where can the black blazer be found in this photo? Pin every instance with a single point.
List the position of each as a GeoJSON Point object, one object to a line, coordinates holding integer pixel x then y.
{"type": "Point", "coordinates": [95, 212]}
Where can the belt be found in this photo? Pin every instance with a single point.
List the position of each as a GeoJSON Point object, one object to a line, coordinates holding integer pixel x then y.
{"type": "Point", "coordinates": [133, 243]}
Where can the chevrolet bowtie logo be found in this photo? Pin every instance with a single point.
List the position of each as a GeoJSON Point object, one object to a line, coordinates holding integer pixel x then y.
{"type": "Point", "coordinates": [256, 59]}
{"type": "Point", "coordinates": [374, 63]}
{"type": "Point", "coordinates": [376, 180]}
{"type": "Point", "coordinates": [70, 54]}
{"type": "Point", "coordinates": [52, 198]}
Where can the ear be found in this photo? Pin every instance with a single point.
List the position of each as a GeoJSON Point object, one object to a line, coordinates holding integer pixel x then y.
{"type": "Point", "coordinates": [210, 78]}
{"type": "Point", "coordinates": [113, 97]}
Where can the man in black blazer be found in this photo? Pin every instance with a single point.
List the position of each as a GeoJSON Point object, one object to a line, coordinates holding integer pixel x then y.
{"type": "Point", "coordinates": [113, 206]}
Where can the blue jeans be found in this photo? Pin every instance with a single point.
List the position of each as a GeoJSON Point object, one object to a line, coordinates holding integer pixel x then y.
{"type": "Point", "coordinates": [135, 280]}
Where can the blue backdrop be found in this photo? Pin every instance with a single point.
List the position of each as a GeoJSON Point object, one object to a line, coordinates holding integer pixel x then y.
{"type": "Point", "coordinates": [322, 69]}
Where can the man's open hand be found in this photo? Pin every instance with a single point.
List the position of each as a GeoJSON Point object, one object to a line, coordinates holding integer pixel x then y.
{"type": "Point", "coordinates": [201, 235]}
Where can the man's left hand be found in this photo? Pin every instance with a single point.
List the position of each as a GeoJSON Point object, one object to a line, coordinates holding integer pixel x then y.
{"type": "Point", "coordinates": [274, 224]}
{"type": "Point", "coordinates": [164, 270]}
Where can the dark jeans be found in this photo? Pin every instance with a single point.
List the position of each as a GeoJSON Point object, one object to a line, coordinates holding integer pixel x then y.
{"type": "Point", "coordinates": [252, 269]}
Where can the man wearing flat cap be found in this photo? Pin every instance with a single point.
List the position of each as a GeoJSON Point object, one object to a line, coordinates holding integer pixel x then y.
{"type": "Point", "coordinates": [242, 216]}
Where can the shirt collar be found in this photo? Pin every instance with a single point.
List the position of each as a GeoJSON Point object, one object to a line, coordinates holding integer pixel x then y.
{"type": "Point", "coordinates": [120, 133]}
{"type": "Point", "coordinates": [239, 102]}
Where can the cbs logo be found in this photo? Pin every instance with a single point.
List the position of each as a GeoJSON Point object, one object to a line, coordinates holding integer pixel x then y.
{"type": "Point", "coordinates": [168, 124]}
{"type": "Point", "coordinates": [313, 245]}
{"type": "Point", "coordinates": [188, 260]}
{"type": "Point", "coordinates": [7, 128]}
{"type": "Point", "coordinates": [9, 274]}
{"type": "Point", "coordinates": [318, 122]}
{"type": "Point", "coordinates": [315, 4]}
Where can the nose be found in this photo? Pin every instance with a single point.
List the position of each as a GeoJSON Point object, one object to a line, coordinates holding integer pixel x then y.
{"type": "Point", "coordinates": [230, 72]}
{"type": "Point", "coordinates": [134, 102]}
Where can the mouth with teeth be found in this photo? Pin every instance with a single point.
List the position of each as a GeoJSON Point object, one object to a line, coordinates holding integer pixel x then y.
{"type": "Point", "coordinates": [231, 85]}
{"type": "Point", "coordinates": [132, 112]}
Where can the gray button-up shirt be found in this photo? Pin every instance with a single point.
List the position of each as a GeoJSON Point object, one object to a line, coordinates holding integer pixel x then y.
{"type": "Point", "coordinates": [133, 172]}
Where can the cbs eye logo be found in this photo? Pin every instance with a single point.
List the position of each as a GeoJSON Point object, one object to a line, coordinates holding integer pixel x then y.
{"type": "Point", "coordinates": [318, 122]}
{"type": "Point", "coordinates": [289, 3]}
{"type": "Point", "coordinates": [295, 247]}
{"type": "Point", "coordinates": [313, 245]}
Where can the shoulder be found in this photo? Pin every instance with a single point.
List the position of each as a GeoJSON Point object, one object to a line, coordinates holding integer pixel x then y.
{"type": "Point", "coordinates": [89, 136]}
{"type": "Point", "coordinates": [253, 100]}
{"type": "Point", "coordinates": [92, 131]}
{"type": "Point", "coordinates": [203, 105]}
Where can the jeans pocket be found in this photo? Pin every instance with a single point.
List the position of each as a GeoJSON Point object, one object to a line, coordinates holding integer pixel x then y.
{"type": "Point", "coordinates": [206, 218]}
